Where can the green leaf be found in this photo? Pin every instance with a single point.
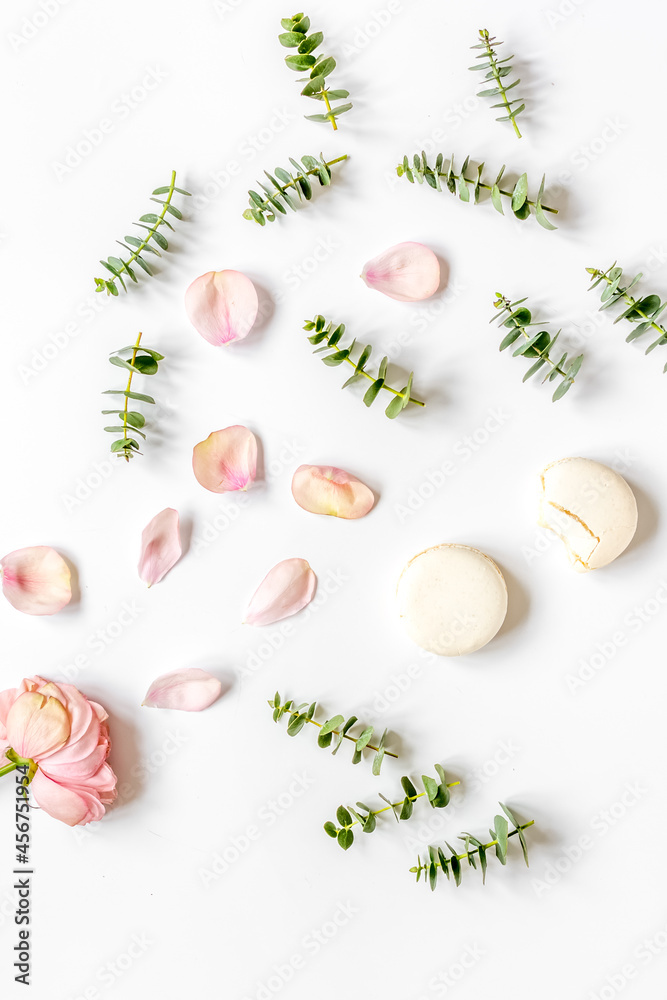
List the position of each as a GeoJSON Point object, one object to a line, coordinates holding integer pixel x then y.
{"type": "Point", "coordinates": [311, 42]}
{"type": "Point", "coordinates": [330, 829]}
{"type": "Point", "coordinates": [290, 39]}
{"type": "Point", "coordinates": [345, 839]}
{"type": "Point", "coordinates": [373, 391]}
{"type": "Point", "coordinates": [130, 395]}
{"type": "Point", "coordinates": [343, 816]}
{"type": "Point", "coordinates": [300, 62]}
{"type": "Point", "coordinates": [520, 193]}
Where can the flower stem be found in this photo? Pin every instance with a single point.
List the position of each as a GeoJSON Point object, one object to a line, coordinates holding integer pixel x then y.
{"type": "Point", "coordinates": [332, 117]}
{"type": "Point", "coordinates": [127, 389]}
{"type": "Point", "coordinates": [475, 850]}
{"type": "Point", "coordinates": [484, 35]}
{"type": "Point", "coordinates": [336, 732]}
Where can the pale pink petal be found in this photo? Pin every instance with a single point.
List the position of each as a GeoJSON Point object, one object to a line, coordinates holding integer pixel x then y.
{"type": "Point", "coordinates": [226, 460]}
{"type": "Point", "coordinates": [286, 589]}
{"type": "Point", "coordinates": [222, 306]}
{"type": "Point", "coordinates": [407, 272]}
{"type": "Point", "coordinates": [160, 546]}
{"type": "Point", "coordinates": [36, 580]}
{"type": "Point", "coordinates": [189, 690]}
{"type": "Point", "coordinates": [323, 489]}
{"type": "Point", "coordinates": [70, 804]}
{"type": "Point", "coordinates": [37, 725]}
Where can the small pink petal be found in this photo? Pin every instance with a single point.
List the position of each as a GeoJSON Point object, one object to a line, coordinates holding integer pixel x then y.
{"type": "Point", "coordinates": [160, 546]}
{"type": "Point", "coordinates": [188, 690]}
{"type": "Point", "coordinates": [323, 489]}
{"type": "Point", "coordinates": [286, 589]}
{"type": "Point", "coordinates": [222, 306]}
{"type": "Point", "coordinates": [226, 460]}
{"type": "Point", "coordinates": [408, 272]}
{"type": "Point", "coordinates": [36, 580]}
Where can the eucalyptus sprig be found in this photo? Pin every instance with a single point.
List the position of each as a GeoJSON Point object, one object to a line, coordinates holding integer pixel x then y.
{"type": "Point", "coordinates": [119, 266]}
{"type": "Point", "coordinates": [644, 311]}
{"type": "Point", "coordinates": [336, 727]}
{"type": "Point", "coordinates": [518, 319]}
{"type": "Point", "coordinates": [277, 199]}
{"type": "Point", "coordinates": [457, 183]}
{"type": "Point", "coordinates": [436, 792]}
{"type": "Point", "coordinates": [318, 67]}
{"type": "Point", "coordinates": [438, 863]}
{"type": "Point", "coordinates": [330, 336]}
{"type": "Point", "coordinates": [497, 69]}
{"type": "Point", "coordinates": [142, 361]}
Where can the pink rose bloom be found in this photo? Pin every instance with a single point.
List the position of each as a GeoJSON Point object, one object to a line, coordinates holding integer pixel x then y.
{"type": "Point", "coordinates": [64, 739]}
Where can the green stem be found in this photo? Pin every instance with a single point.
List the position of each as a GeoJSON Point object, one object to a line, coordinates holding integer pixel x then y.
{"type": "Point", "coordinates": [396, 392]}
{"type": "Point", "coordinates": [629, 300]}
{"type": "Point", "coordinates": [395, 805]}
{"type": "Point", "coordinates": [332, 117]}
{"type": "Point", "coordinates": [508, 305]}
{"type": "Point", "coordinates": [156, 225]}
{"type": "Point", "coordinates": [337, 733]}
{"type": "Point", "coordinates": [128, 388]}
{"type": "Point", "coordinates": [506, 194]}
{"type": "Point", "coordinates": [462, 857]}
{"type": "Point", "coordinates": [484, 35]}
{"type": "Point", "coordinates": [315, 170]}
{"type": "Point", "coordinates": [8, 768]}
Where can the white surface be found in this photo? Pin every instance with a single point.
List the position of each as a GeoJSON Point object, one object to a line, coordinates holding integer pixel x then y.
{"type": "Point", "coordinates": [584, 760]}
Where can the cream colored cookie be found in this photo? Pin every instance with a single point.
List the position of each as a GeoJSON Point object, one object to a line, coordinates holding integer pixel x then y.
{"type": "Point", "coordinates": [591, 508]}
{"type": "Point", "coordinates": [452, 599]}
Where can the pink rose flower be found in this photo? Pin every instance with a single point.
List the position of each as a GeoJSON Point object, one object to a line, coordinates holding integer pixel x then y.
{"type": "Point", "coordinates": [63, 739]}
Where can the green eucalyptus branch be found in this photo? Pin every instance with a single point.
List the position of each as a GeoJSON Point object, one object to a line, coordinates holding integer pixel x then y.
{"type": "Point", "coordinates": [151, 222]}
{"type": "Point", "coordinates": [644, 311]}
{"type": "Point", "coordinates": [436, 792]}
{"type": "Point", "coordinates": [277, 198]}
{"type": "Point", "coordinates": [518, 319]}
{"type": "Point", "coordinates": [497, 69]}
{"type": "Point", "coordinates": [330, 336]}
{"type": "Point", "coordinates": [318, 67]}
{"type": "Point", "coordinates": [142, 361]}
{"type": "Point", "coordinates": [336, 727]}
{"type": "Point", "coordinates": [457, 183]}
{"type": "Point", "coordinates": [438, 863]}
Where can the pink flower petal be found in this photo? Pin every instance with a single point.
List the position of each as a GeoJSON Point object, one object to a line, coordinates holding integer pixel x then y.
{"type": "Point", "coordinates": [286, 589]}
{"type": "Point", "coordinates": [226, 460]}
{"type": "Point", "coordinates": [408, 272]}
{"type": "Point", "coordinates": [323, 489]}
{"type": "Point", "coordinates": [36, 580]}
{"type": "Point", "coordinates": [160, 546]}
{"type": "Point", "coordinates": [70, 804]}
{"type": "Point", "coordinates": [37, 725]}
{"type": "Point", "coordinates": [189, 690]}
{"type": "Point", "coordinates": [222, 306]}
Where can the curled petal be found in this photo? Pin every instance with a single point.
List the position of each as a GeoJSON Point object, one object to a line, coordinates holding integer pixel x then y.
{"type": "Point", "coordinates": [37, 725]}
{"type": "Point", "coordinates": [222, 306]}
{"type": "Point", "coordinates": [286, 589]}
{"type": "Point", "coordinates": [226, 460]}
{"type": "Point", "coordinates": [36, 580]}
{"type": "Point", "coordinates": [71, 804]}
{"type": "Point", "coordinates": [407, 272]}
{"type": "Point", "coordinates": [160, 546]}
{"type": "Point", "coordinates": [189, 690]}
{"type": "Point", "coordinates": [323, 489]}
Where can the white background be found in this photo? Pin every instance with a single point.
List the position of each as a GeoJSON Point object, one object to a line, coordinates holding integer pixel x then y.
{"type": "Point", "coordinates": [585, 760]}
